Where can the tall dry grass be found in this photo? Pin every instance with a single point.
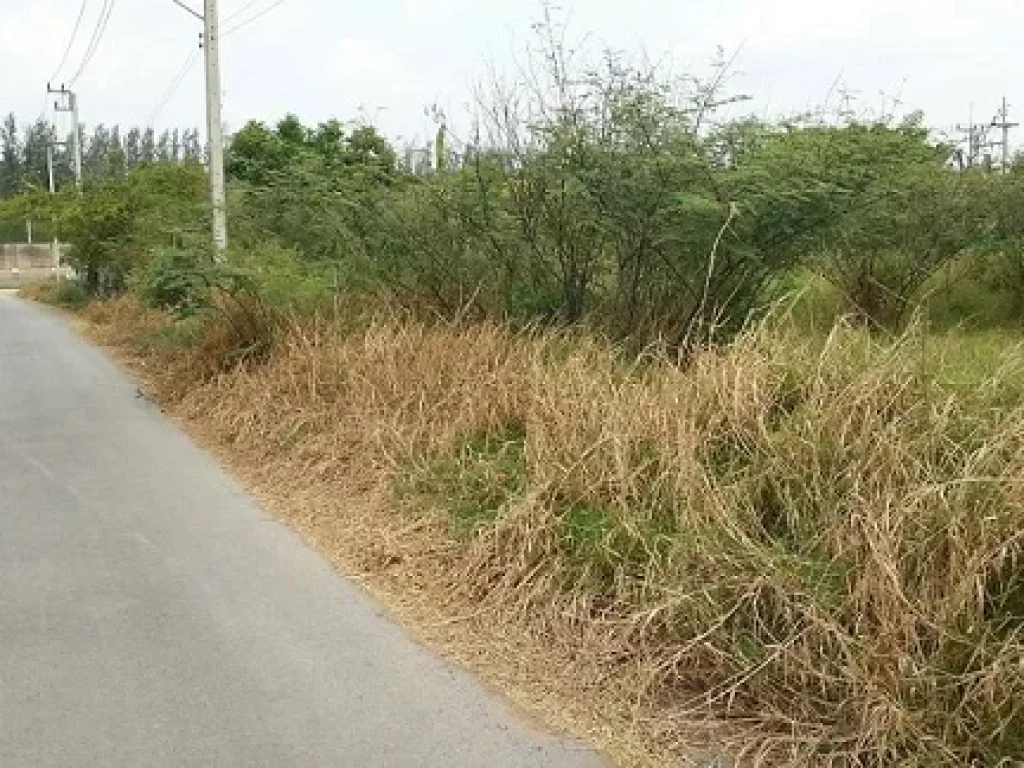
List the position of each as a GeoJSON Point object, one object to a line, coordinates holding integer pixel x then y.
{"type": "Point", "coordinates": [818, 542]}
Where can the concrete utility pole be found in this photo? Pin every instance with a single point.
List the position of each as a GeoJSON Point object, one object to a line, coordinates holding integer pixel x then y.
{"type": "Point", "coordinates": [68, 102]}
{"type": "Point", "coordinates": [214, 123]}
{"type": "Point", "coordinates": [76, 141]}
{"type": "Point", "coordinates": [55, 245]}
{"type": "Point", "coordinates": [214, 127]}
{"type": "Point", "coordinates": [1002, 121]}
{"type": "Point", "coordinates": [49, 167]}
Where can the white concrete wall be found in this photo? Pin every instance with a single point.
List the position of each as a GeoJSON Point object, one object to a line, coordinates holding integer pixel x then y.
{"type": "Point", "coordinates": [24, 256]}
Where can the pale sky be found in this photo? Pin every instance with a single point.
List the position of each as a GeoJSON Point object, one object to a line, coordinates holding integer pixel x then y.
{"type": "Point", "coordinates": [388, 59]}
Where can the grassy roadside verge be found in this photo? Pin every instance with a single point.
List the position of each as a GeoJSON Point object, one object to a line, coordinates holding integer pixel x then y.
{"type": "Point", "coordinates": [803, 551]}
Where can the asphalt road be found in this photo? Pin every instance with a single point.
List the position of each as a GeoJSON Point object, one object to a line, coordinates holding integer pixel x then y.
{"type": "Point", "coordinates": [151, 614]}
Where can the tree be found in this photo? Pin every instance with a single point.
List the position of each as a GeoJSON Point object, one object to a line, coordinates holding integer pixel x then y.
{"type": "Point", "coordinates": [34, 174]}
{"type": "Point", "coordinates": [96, 153]}
{"type": "Point", "coordinates": [883, 252]}
{"type": "Point", "coordinates": [164, 152]}
{"type": "Point", "coordinates": [870, 205]}
{"type": "Point", "coordinates": [147, 147]}
{"type": "Point", "coordinates": [191, 147]}
{"type": "Point", "coordinates": [10, 157]}
{"type": "Point", "coordinates": [133, 146]}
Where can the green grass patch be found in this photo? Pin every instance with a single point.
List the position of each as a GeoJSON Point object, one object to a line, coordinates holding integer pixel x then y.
{"type": "Point", "coordinates": [473, 481]}
{"type": "Point", "coordinates": [605, 544]}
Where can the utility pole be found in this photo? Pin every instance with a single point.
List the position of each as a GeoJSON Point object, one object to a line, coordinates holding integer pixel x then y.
{"type": "Point", "coordinates": [974, 137]}
{"type": "Point", "coordinates": [49, 168]}
{"type": "Point", "coordinates": [214, 128]}
{"type": "Point", "coordinates": [55, 245]}
{"type": "Point", "coordinates": [978, 144]}
{"type": "Point", "coordinates": [68, 102]}
{"type": "Point", "coordinates": [76, 140]}
{"type": "Point", "coordinates": [214, 124]}
{"type": "Point", "coordinates": [1002, 121]}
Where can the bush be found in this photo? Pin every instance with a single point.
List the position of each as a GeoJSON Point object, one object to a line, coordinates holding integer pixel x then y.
{"type": "Point", "coordinates": [177, 280]}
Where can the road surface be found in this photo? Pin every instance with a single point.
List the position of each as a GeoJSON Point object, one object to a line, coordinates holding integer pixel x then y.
{"type": "Point", "coordinates": [152, 615]}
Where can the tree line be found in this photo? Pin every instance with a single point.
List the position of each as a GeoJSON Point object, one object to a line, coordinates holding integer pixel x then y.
{"type": "Point", "coordinates": [598, 194]}
{"type": "Point", "coordinates": [105, 151]}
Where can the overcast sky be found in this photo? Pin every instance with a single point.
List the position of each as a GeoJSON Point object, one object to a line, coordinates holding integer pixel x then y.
{"type": "Point", "coordinates": [387, 59]}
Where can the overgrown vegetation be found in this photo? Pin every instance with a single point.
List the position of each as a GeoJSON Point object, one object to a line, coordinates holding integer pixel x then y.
{"type": "Point", "coordinates": [673, 391]}
{"type": "Point", "coordinates": [588, 193]}
{"type": "Point", "coordinates": [818, 538]}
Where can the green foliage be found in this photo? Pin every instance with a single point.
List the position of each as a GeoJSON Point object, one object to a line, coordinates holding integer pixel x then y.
{"type": "Point", "coordinates": [71, 294]}
{"type": "Point", "coordinates": [279, 278]}
{"type": "Point", "coordinates": [315, 190]}
{"type": "Point", "coordinates": [598, 194]}
{"type": "Point", "coordinates": [177, 280]}
{"type": "Point", "coordinates": [119, 220]}
{"type": "Point", "coordinates": [475, 480]}
{"type": "Point", "coordinates": [105, 152]}
{"type": "Point", "coordinates": [904, 231]}
{"type": "Point", "coordinates": [258, 155]}
{"type": "Point", "coordinates": [614, 199]}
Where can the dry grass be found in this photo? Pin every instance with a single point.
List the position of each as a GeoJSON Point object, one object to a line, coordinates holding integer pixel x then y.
{"type": "Point", "coordinates": [809, 551]}
{"type": "Point", "coordinates": [43, 291]}
{"type": "Point", "coordinates": [57, 292]}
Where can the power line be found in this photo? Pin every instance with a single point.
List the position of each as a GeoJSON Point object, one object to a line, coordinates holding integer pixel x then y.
{"type": "Point", "coordinates": [94, 43]}
{"type": "Point", "coordinates": [251, 19]}
{"type": "Point", "coordinates": [174, 86]}
{"type": "Point", "coordinates": [188, 9]}
{"type": "Point", "coordinates": [97, 37]}
{"type": "Point", "coordinates": [235, 14]}
{"type": "Point", "coordinates": [71, 42]}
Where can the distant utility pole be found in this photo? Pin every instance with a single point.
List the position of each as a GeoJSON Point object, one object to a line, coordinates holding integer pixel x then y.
{"type": "Point", "coordinates": [1002, 121]}
{"type": "Point", "coordinates": [847, 98]}
{"type": "Point", "coordinates": [214, 125]}
{"type": "Point", "coordinates": [49, 168]}
{"type": "Point", "coordinates": [974, 137]}
{"type": "Point", "coordinates": [68, 102]}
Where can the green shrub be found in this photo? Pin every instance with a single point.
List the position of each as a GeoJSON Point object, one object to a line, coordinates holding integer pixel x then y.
{"type": "Point", "coordinates": [177, 280]}
{"type": "Point", "coordinates": [280, 278]}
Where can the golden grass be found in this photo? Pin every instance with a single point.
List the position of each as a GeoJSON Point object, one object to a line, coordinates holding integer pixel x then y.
{"type": "Point", "coordinates": [803, 552]}
{"type": "Point", "coordinates": [44, 291]}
